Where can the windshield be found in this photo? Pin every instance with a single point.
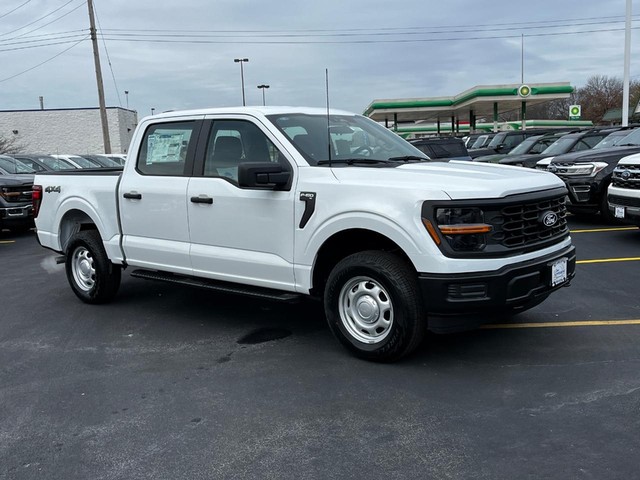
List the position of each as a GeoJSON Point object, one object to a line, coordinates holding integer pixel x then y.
{"type": "Point", "coordinates": [497, 140]}
{"type": "Point", "coordinates": [525, 146]}
{"type": "Point", "coordinates": [480, 141]}
{"type": "Point", "coordinates": [560, 146]}
{"type": "Point", "coordinates": [632, 139]}
{"type": "Point", "coordinates": [14, 166]}
{"type": "Point", "coordinates": [56, 163]}
{"type": "Point", "coordinates": [84, 162]}
{"type": "Point", "coordinates": [611, 140]}
{"type": "Point", "coordinates": [352, 137]}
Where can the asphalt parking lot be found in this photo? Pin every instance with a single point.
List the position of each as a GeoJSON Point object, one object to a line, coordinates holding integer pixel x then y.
{"type": "Point", "coordinates": [170, 382]}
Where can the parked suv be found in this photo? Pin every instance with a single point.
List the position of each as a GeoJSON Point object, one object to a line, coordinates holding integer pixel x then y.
{"type": "Point", "coordinates": [504, 142]}
{"type": "Point", "coordinates": [587, 175]}
{"type": "Point", "coordinates": [572, 142]}
{"type": "Point", "coordinates": [442, 147]}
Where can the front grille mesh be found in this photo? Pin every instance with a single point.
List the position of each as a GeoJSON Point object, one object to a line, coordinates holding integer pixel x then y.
{"type": "Point", "coordinates": [633, 180]}
{"type": "Point", "coordinates": [521, 225]}
{"type": "Point", "coordinates": [17, 194]}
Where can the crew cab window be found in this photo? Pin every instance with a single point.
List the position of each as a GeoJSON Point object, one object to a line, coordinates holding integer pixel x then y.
{"type": "Point", "coordinates": [232, 142]}
{"type": "Point", "coordinates": [164, 149]}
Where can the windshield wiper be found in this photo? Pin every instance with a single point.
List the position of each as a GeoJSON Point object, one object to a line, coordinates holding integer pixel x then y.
{"type": "Point", "coordinates": [351, 161]}
{"type": "Point", "coordinates": [408, 158]}
{"type": "Point", "coordinates": [628, 145]}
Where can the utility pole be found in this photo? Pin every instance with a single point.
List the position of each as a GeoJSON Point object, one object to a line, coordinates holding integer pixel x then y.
{"type": "Point", "coordinates": [627, 61]}
{"type": "Point", "coordinates": [96, 59]}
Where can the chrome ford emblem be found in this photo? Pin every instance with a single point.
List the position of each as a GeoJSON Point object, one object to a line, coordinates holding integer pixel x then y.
{"type": "Point", "coordinates": [625, 174]}
{"type": "Point", "coordinates": [549, 219]}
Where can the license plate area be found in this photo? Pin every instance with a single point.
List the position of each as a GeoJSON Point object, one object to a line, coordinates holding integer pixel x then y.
{"type": "Point", "coordinates": [618, 212]}
{"type": "Point", "coordinates": [559, 272]}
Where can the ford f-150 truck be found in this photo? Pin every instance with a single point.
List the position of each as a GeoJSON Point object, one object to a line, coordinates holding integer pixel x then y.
{"type": "Point", "coordinates": [281, 202]}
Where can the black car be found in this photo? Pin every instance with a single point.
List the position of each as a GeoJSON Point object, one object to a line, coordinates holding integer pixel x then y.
{"type": "Point", "coordinates": [442, 147]}
{"type": "Point", "coordinates": [102, 160]}
{"type": "Point", "coordinates": [504, 142]}
{"type": "Point", "coordinates": [16, 211]}
{"type": "Point", "coordinates": [481, 141]}
{"type": "Point", "coordinates": [530, 146]}
{"type": "Point", "coordinates": [571, 142]}
{"type": "Point", "coordinates": [43, 163]}
{"type": "Point", "coordinates": [587, 175]}
{"type": "Point", "coordinates": [9, 165]}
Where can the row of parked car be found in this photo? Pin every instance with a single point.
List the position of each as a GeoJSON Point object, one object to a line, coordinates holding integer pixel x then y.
{"type": "Point", "coordinates": [599, 165]}
{"type": "Point", "coordinates": [16, 181]}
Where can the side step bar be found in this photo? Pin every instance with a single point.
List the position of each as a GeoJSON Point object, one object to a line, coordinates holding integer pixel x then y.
{"type": "Point", "coordinates": [224, 287]}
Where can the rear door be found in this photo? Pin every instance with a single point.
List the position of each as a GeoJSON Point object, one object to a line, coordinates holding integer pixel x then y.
{"type": "Point", "coordinates": [153, 197]}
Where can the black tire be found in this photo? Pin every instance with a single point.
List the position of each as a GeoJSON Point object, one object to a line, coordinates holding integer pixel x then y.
{"type": "Point", "coordinates": [387, 290]}
{"type": "Point", "coordinates": [93, 278]}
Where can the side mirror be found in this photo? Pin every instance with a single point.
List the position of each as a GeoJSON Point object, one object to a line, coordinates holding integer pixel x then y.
{"type": "Point", "coordinates": [263, 175]}
{"type": "Point", "coordinates": [501, 147]}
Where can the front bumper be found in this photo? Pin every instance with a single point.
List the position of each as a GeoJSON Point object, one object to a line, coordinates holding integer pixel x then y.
{"type": "Point", "coordinates": [20, 214]}
{"type": "Point", "coordinates": [628, 200]}
{"type": "Point", "coordinates": [511, 288]}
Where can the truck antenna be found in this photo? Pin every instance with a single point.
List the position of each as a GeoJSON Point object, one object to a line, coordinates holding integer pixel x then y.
{"type": "Point", "coordinates": [326, 78]}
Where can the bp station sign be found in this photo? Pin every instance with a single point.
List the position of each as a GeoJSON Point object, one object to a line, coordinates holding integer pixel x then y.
{"type": "Point", "coordinates": [575, 112]}
{"type": "Point", "coordinates": [524, 91]}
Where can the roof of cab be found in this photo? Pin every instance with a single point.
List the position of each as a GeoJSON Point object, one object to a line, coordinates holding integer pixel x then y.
{"type": "Point", "coordinates": [254, 111]}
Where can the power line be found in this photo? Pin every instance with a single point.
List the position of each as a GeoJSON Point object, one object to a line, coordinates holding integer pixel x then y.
{"type": "Point", "coordinates": [47, 40]}
{"type": "Point", "coordinates": [233, 39]}
{"type": "Point", "coordinates": [38, 19]}
{"type": "Point", "coordinates": [41, 36]}
{"type": "Point", "coordinates": [49, 23]}
{"type": "Point", "coordinates": [13, 10]}
{"type": "Point", "coordinates": [28, 47]}
{"type": "Point", "coordinates": [42, 63]}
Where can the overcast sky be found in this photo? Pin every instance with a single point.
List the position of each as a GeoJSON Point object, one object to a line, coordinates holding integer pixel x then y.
{"type": "Point", "coordinates": [372, 48]}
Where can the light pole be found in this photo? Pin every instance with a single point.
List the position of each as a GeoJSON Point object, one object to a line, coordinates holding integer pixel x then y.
{"type": "Point", "coordinates": [153, 111]}
{"type": "Point", "coordinates": [126, 95]}
{"type": "Point", "coordinates": [262, 87]}
{"type": "Point", "coordinates": [241, 61]}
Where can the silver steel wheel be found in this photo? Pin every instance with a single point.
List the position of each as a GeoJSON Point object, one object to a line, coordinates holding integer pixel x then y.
{"type": "Point", "coordinates": [84, 272]}
{"type": "Point", "coordinates": [365, 310]}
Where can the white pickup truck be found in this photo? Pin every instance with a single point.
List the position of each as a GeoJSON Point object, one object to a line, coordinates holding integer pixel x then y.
{"type": "Point", "coordinates": [280, 202]}
{"type": "Point", "coordinates": [623, 195]}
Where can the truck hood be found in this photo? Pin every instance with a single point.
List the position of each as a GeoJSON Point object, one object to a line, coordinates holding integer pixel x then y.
{"type": "Point", "coordinates": [607, 155]}
{"type": "Point", "coordinates": [459, 180]}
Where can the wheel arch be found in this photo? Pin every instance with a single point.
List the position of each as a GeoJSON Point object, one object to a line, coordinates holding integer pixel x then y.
{"type": "Point", "coordinates": [73, 221]}
{"type": "Point", "coordinates": [347, 242]}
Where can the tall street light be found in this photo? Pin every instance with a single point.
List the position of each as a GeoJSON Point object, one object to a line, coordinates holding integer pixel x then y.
{"type": "Point", "coordinates": [126, 95]}
{"type": "Point", "coordinates": [262, 87]}
{"type": "Point", "coordinates": [241, 61]}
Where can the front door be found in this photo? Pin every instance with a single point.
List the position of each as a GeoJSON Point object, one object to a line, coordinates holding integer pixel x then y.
{"type": "Point", "coordinates": [238, 234]}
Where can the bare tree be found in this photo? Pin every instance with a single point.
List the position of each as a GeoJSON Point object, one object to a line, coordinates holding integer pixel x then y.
{"type": "Point", "coordinates": [10, 145]}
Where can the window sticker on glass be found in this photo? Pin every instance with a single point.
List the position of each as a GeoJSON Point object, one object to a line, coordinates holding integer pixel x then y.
{"type": "Point", "coordinates": [166, 147]}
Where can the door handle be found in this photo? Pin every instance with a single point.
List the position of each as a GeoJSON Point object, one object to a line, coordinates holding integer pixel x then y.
{"type": "Point", "coordinates": [202, 199]}
{"type": "Point", "coordinates": [133, 195]}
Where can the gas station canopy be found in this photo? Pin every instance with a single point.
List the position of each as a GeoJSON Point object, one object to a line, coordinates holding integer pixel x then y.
{"type": "Point", "coordinates": [482, 101]}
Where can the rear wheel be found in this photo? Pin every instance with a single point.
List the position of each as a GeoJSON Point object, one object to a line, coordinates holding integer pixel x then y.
{"type": "Point", "coordinates": [374, 307]}
{"type": "Point", "coordinates": [93, 278]}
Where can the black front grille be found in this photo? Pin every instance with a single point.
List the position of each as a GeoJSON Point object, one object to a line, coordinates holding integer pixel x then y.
{"type": "Point", "coordinates": [17, 194]}
{"type": "Point", "coordinates": [522, 225]}
{"type": "Point", "coordinates": [632, 174]}
{"type": "Point", "coordinates": [624, 201]}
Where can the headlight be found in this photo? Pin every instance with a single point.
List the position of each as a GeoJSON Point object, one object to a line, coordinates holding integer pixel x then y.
{"type": "Point", "coordinates": [591, 169]}
{"type": "Point", "coordinates": [463, 228]}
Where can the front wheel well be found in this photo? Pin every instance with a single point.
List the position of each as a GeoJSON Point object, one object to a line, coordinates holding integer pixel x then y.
{"type": "Point", "coordinates": [347, 242]}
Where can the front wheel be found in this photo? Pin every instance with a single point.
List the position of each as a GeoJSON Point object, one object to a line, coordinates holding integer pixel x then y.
{"type": "Point", "coordinates": [92, 276]}
{"type": "Point", "coordinates": [374, 307]}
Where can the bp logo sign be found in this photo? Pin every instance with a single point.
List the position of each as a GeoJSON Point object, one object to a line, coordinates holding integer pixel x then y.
{"type": "Point", "coordinates": [575, 112]}
{"type": "Point", "coordinates": [524, 90]}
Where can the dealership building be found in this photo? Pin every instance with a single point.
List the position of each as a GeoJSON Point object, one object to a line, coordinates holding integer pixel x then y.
{"type": "Point", "coordinates": [68, 130]}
